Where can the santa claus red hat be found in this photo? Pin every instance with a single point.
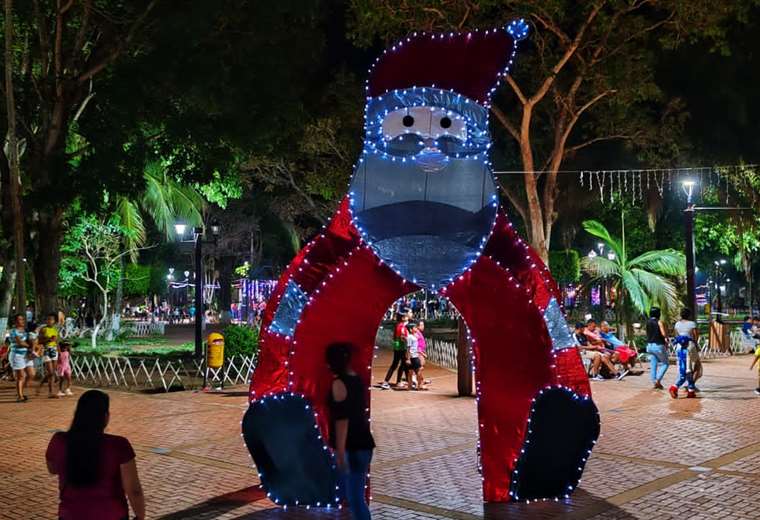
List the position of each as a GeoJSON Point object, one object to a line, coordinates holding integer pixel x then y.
{"type": "Point", "coordinates": [467, 63]}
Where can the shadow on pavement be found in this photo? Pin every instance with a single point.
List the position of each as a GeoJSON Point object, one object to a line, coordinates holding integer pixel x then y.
{"type": "Point", "coordinates": [217, 506]}
{"type": "Point", "coordinates": [582, 505]}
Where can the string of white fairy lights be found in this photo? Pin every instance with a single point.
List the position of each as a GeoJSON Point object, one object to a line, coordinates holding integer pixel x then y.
{"type": "Point", "coordinates": [636, 183]}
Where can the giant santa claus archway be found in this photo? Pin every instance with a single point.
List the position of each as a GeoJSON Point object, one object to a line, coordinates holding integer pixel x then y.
{"type": "Point", "coordinates": [423, 211]}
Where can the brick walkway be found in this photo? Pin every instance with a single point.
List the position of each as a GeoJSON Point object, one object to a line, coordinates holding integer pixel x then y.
{"type": "Point", "coordinates": [657, 458]}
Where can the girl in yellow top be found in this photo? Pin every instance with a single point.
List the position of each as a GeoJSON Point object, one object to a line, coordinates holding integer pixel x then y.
{"type": "Point", "coordinates": [48, 337]}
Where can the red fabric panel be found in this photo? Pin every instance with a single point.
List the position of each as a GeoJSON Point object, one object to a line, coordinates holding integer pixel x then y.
{"type": "Point", "coordinates": [570, 371]}
{"type": "Point", "coordinates": [513, 362]}
{"type": "Point", "coordinates": [467, 63]}
{"type": "Point", "coordinates": [309, 269]}
{"type": "Point", "coordinates": [510, 251]}
{"type": "Point", "coordinates": [349, 308]}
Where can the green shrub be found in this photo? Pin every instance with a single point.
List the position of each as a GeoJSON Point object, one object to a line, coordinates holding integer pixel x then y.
{"type": "Point", "coordinates": [240, 340]}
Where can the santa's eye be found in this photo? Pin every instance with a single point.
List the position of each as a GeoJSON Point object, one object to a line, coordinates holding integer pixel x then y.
{"type": "Point", "coordinates": [424, 122]}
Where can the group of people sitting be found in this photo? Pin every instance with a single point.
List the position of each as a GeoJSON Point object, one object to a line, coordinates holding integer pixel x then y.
{"type": "Point", "coordinates": [604, 350]}
{"type": "Point", "coordinates": [751, 332]}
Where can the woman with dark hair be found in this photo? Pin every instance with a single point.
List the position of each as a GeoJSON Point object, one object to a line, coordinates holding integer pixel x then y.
{"type": "Point", "coordinates": [21, 355]}
{"type": "Point", "coordinates": [95, 469]}
{"type": "Point", "coordinates": [658, 352]}
{"type": "Point", "coordinates": [350, 436]}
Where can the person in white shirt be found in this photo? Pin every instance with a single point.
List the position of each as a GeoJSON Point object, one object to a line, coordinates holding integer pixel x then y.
{"type": "Point", "coordinates": [413, 357]}
{"type": "Point", "coordinates": [687, 355]}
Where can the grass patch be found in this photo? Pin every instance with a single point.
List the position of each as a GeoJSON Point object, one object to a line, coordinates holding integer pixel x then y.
{"type": "Point", "coordinates": [155, 346]}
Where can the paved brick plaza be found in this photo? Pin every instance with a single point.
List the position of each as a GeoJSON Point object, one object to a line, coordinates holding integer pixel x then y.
{"type": "Point", "coordinates": [657, 458]}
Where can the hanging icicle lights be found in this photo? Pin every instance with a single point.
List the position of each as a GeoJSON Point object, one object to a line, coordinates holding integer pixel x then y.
{"type": "Point", "coordinates": [635, 183]}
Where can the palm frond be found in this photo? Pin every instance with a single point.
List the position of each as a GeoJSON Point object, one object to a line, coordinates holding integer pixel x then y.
{"type": "Point", "coordinates": [600, 267]}
{"type": "Point", "coordinates": [597, 229]}
{"type": "Point", "coordinates": [155, 200]}
{"type": "Point", "coordinates": [660, 290]}
{"type": "Point", "coordinates": [166, 200]}
{"type": "Point", "coordinates": [637, 296]}
{"type": "Point", "coordinates": [186, 202]}
{"type": "Point", "coordinates": [667, 262]}
{"type": "Point", "coordinates": [134, 228]}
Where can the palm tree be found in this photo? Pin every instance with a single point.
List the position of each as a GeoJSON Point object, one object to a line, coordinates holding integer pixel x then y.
{"type": "Point", "coordinates": [641, 282]}
{"type": "Point", "coordinates": [164, 201]}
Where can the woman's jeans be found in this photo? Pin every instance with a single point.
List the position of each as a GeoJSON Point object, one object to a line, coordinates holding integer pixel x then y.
{"type": "Point", "coordinates": [658, 361]}
{"type": "Point", "coordinates": [354, 482]}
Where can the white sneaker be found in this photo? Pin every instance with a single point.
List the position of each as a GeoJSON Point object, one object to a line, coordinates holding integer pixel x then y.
{"type": "Point", "coordinates": [385, 385]}
{"type": "Point", "coordinates": [69, 392]}
{"type": "Point", "coordinates": [61, 394]}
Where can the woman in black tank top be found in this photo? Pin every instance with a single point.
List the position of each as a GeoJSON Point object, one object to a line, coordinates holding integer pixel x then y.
{"type": "Point", "coordinates": [350, 435]}
{"type": "Point", "coordinates": [658, 352]}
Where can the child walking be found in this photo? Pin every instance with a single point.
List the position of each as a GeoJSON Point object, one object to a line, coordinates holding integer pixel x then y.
{"type": "Point", "coordinates": [421, 348]}
{"type": "Point", "coordinates": [687, 356]}
{"type": "Point", "coordinates": [64, 369]}
{"type": "Point", "coordinates": [413, 353]}
{"type": "Point", "coordinates": [48, 336]}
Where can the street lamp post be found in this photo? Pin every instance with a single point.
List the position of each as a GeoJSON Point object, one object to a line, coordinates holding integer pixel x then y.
{"type": "Point", "coordinates": [719, 289]}
{"type": "Point", "coordinates": [691, 293]}
{"type": "Point", "coordinates": [591, 255]}
{"type": "Point", "coordinates": [198, 240]}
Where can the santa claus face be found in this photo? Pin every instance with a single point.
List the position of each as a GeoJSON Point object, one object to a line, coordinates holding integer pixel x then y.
{"type": "Point", "coordinates": [422, 193]}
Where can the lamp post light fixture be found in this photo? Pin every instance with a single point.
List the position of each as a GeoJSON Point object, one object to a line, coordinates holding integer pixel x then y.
{"type": "Point", "coordinates": [198, 241]}
{"type": "Point", "coordinates": [180, 229]}
{"type": "Point", "coordinates": [603, 285]}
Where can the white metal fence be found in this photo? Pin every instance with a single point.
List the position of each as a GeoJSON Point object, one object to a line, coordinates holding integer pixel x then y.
{"type": "Point", "coordinates": [155, 373]}
{"type": "Point", "coordinates": [440, 352]}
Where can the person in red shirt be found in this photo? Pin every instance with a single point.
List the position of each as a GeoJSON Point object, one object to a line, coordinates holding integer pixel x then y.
{"type": "Point", "coordinates": [96, 471]}
{"type": "Point", "coordinates": [399, 352]}
{"type": "Point", "coordinates": [595, 341]}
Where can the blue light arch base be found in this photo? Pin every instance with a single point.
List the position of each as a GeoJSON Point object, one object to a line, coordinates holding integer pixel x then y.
{"type": "Point", "coordinates": [295, 466]}
{"type": "Point", "coordinates": [562, 429]}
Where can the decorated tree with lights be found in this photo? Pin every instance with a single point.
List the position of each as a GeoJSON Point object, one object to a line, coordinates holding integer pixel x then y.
{"type": "Point", "coordinates": [588, 78]}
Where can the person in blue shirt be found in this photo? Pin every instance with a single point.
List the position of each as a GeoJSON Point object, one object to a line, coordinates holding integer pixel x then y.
{"type": "Point", "coordinates": [747, 326]}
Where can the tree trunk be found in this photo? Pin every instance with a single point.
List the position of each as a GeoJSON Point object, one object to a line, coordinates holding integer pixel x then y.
{"type": "Point", "coordinates": [102, 321]}
{"type": "Point", "coordinates": [7, 286]}
{"type": "Point", "coordinates": [48, 261]}
{"type": "Point", "coordinates": [116, 317]}
{"type": "Point", "coordinates": [464, 364]}
{"type": "Point", "coordinates": [14, 189]}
